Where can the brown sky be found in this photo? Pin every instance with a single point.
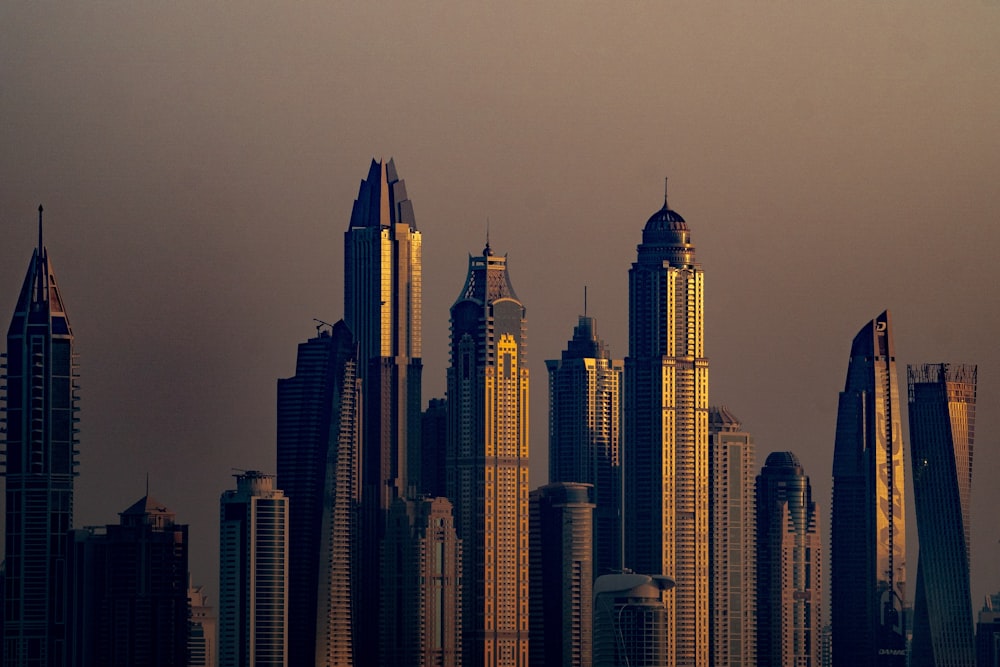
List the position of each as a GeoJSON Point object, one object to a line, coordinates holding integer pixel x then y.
{"type": "Point", "coordinates": [198, 162]}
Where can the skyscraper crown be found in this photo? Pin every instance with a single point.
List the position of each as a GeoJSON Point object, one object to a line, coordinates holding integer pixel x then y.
{"type": "Point", "coordinates": [382, 199]}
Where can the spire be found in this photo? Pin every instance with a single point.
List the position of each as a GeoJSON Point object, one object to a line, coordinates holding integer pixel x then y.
{"type": "Point", "coordinates": [487, 251]}
{"type": "Point", "coordinates": [584, 300]}
{"type": "Point", "coordinates": [665, 206]}
{"type": "Point", "coordinates": [40, 209]}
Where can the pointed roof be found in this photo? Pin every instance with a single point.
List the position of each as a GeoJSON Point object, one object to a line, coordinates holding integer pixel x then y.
{"type": "Point", "coordinates": [382, 199]}
{"type": "Point", "coordinates": [40, 302]}
{"type": "Point", "coordinates": [146, 505]}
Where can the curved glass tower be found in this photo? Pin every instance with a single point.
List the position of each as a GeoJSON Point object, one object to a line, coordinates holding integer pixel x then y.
{"type": "Point", "coordinates": [665, 450]}
{"type": "Point", "coordinates": [868, 536]}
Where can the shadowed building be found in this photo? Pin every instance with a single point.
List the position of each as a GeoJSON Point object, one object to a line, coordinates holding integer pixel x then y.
{"type": "Point", "coordinates": [487, 462]}
{"type": "Point", "coordinates": [253, 574]}
{"type": "Point", "coordinates": [383, 309]}
{"type": "Point", "coordinates": [942, 402]}
{"type": "Point", "coordinates": [561, 558]}
{"type": "Point", "coordinates": [318, 442]}
{"type": "Point", "coordinates": [421, 591]}
{"type": "Point", "coordinates": [665, 451]}
{"type": "Point", "coordinates": [731, 540]}
{"type": "Point", "coordinates": [631, 625]}
{"type": "Point", "coordinates": [585, 388]}
{"type": "Point", "coordinates": [789, 562]}
{"type": "Point", "coordinates": [988, 633]}
{"type": "Point", "coordinates": [202, 650]}
{"type": "Point", "coordinates": [867, 536]}
{"type": "Point", "coordinates": [41, 441]}
{"type": "Point", "coordinates": [434, 446]}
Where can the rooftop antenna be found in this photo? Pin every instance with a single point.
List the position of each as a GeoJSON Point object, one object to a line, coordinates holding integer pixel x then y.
{"type": "Point", "coordinates": [486, 250]}
{"type": "Point", "coordinates": [584, 300]}
{"type": "Point", "coordinates": [40, 209]}
{"type": "Point", "coordinates": [665, 179]}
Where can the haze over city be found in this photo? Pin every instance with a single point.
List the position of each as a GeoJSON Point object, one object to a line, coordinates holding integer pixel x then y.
{"type": "Point", "coordinates": [198, 163]}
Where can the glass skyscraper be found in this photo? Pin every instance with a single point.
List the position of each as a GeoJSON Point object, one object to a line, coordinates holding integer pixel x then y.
{"type": "Point", "coordinates": [868, 528]}
{"type": "Point", "coordinates": [41, 450]}
{"type": "Point", "coordinates": [665, 452]}
{"type": "Point", "coordinates": [487, 462]}
{"type": "Point", "coordinates": [942, 402]}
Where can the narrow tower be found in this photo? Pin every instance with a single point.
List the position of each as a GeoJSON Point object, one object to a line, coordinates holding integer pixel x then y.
{"type": "Point", "coordinates": [666, 430]}
{"type": "Point", "coordinates": [487, 462]}
{"type": "Point", "coordinates": [867, 532]}
{"type": "Point", "coordinates": [41, 441]}
{"type": "Point", "coordinates": [942, 400]}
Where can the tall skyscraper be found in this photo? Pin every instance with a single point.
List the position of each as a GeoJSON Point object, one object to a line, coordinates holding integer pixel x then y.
{"type": "Point", "coordinates": [666, 429]}
{"type": "Point", "coordinates": [789, 565]}
{"type": "Point", "coordinates": [988, 633]}
{"type": "Point", "coordinates": [421, 579]}
{"type": "Point", "coordinates": [253, 574]}
{"type": "Point", "coordinates": [731, 539]}
{"type": "Point", "coordinates": [942, 402]}
{"type": "Point", "coordinates": [631, 625]}
{"type": "Point", "coordinates": [41, 450]}
{"type": "Point", "coordinates": [585, 390]}
{"type": "Point", "coordinates": [318, 449]}
{"type": "Point", "coordinates": [383, 309]}
{"type": "Point", "coordinates": [868, 530]}
{"type": "Point", "coordinates": [562, 553]}
{"type": "Point", "coordinates": [487, 458]}
{"type": "Point", "coordinates": [201, 635]}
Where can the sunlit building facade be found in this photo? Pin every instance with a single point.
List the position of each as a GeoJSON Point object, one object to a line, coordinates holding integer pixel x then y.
{"type": "Point", "coordinates": [318, 447]}
{"type": "Point", "coordinates": [731, 539]}
{"type": "Point", "coordinates": [942, 409]}
{"type": "Point", "coordinates": [253, 574]}
{"type": "Point", "coordinates": [631, 624]}
{"type": "Point", "coordinates": [789, 566]}
{"type": "Point", "coordinates": [868, 525]}
{"type": "Point", "coordinates": [665, 451]}
{"type": "Point", "coordinates": [383, 308]}
{"type": "Point", "coordinates": [41, 452]}
{"type": "Point", "coordinates": [487, 462]}
{"type": "Point", "coordinates": [585, 421]}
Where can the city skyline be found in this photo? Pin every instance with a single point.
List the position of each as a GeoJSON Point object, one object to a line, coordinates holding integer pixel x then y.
{"type": "Point", "coordinates": [197, 216]}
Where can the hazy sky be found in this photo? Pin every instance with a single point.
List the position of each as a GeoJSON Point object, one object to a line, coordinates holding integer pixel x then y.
{"type": "Point", "coordinates": [198, 163]}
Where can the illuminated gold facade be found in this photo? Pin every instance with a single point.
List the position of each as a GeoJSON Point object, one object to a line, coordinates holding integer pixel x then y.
{"type": "Point", "coordinates": [487, 463]}
{"type": "Point", "coordinates": [868, 529]}
{"type": "Point", "coordinates": [666, 430]}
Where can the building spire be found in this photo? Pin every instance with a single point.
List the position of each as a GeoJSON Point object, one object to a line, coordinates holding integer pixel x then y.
{"type": "Point", "coordinates": [665, 179]}
{"type": "Point", "coordinates": [487, 251]}
{"type": "Point", "coordinates": [584, 300]}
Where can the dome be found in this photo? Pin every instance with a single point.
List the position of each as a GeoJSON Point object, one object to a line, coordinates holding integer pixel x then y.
{"type": "Point", "coordinates": [665, 220]}
{"type": "Point", "coordinates": [782, 460]}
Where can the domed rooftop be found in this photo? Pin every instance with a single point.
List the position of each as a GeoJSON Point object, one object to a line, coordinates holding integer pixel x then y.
{"type": "Point", "coordinates": [666, 237]}
{"type": "Point", "coordinates": [782, 460]}
{"type": "Point", "coordinates": [665, 219]}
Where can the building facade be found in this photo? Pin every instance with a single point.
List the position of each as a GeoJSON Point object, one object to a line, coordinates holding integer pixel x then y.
{"type": "Point", "coordinates": [202, 628]}
{"type": "Point", "coordinates": [41, 458]}
{"type": "Point", "coordinates": [585, 422]}
{"type": "Point", "coordinates": [421, 592]}
{"type": "Point", "coordinates": [253, 574]}
{"type": "Point", "coordinates": [988, 633]}
{"type": "Point", "coordinates": [666, 429]}
{"type": "Point", "coordinates": [942, 409]}
{"type": "Point", "coordinates": [561, 558]}
{"type": "Point", "coordinates": [631, 625]}
{"type": "Point", "coordinates": [487, 462]}
{"type": "Point", "coordinates": [383, 309]}
{"type": "Point", "coordinates": [789, 566]}
{"type": "Point", "coordinates": [731, 540]}
{"type": "Point", "coordinates": [318, 447]}
{"type": "Point", "coordinates": [868, 524]}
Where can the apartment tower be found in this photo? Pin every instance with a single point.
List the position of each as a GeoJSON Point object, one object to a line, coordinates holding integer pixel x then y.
{"type": "Point", "coordinates": [382, 308]}
{"type": "Point", "coordinates": [942, 402]}
{"type": "Point", "coordinates": [666, 430]}
{"type": "Point", "coordinates": [585, 390]}
{"type": "Point", "coordinates": [318, 449]}
{"type": "Point", "coordinates": [789, 565]}
{"type": "Point", "coordinates": [868, 529]}
{"type": "Point", "coordinates": [631, 625]}
{"type": "Point", "coordinates": [41, 450]}
{"type": "Point", "coordinates": [487, 462]}
{"type": "Point", "coordinates": [731, 538]}
{"type": "Point", "coordinates": [253, 574]}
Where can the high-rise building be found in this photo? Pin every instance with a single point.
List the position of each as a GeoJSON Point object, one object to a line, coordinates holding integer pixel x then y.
{"type": "Point", "coordinates": [487, 462]}
{"type": "Point", "coordinates": [41, 450]}
{"type": "Point", "coordinates": [434, 445]}
{"type": "Point", "coordinates": [318, 448]}
{"type": "Point", "coordinates": [868, 529]}
{"type": "Point", "coordinates": [585, 388]}
{"type": "Point", "coordinates": [383, 309]}
{"type": "Point", "coordinates": [253, 574]}
{"type": "Point", "coordinates": [201, 634]}
{"type": "Point", "coordinates": [561, 548]}
{"type": "Point", "coordinates": [665, 451]}
{"type": "Point", "coordinates": [731, 538]}
{"type": "Point", "coordinates": [631, 625]}
{"type": "Point", "coordinates": [988, 633]}
{"type": "Point", "coordinates": [421, 580]}
{"type": "Point", "coordinates": [789, 561]}
{"type": "Point", "coordinates": [942, 402]}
